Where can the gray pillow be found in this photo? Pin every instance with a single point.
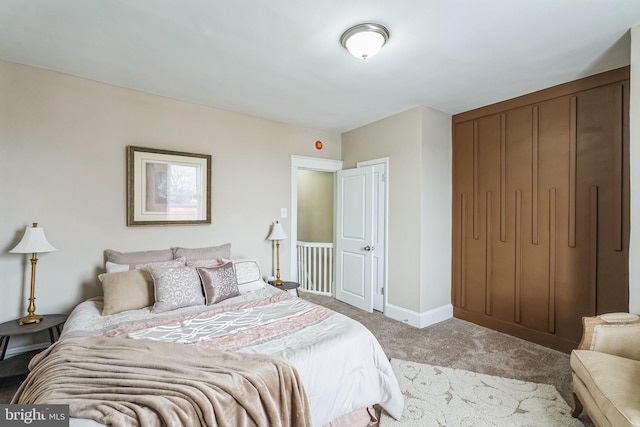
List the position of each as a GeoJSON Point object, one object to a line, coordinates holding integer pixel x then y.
{"type": "Point", "coordinates": [176, 287]}
{"type": "Point", "coordinates": [222, 251]}
{"type": "Point", "coordinates": [142, 257]}
{"type": "Point", "coordinates": [113, 267]}
{"type": "Point", "coordinates": [219, 283]}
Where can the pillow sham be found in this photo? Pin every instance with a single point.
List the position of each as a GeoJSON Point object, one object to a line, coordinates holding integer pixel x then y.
{"type": "Point", "coordinates": [207, 262]}
{"type": "Point", "coordinates": [178, 262]}
{"type": "Point", "coordinates": [219, 283]}
{"type": "Point", "coordinates": [126, 290]}
{"type": "Point", "coordinates": [176, 287]}
{"type": "Point", "coordinates": [222, 251]}
{"type": "Point", "coordinates": [248, 275]}
{"type": "Point", "coordinates": [113, 267]}
{"type": "Point", "coordinates": [133, 258]}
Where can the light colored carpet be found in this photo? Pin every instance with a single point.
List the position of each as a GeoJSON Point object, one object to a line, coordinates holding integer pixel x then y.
{"type": "Point", "coordinates": [438, 396]}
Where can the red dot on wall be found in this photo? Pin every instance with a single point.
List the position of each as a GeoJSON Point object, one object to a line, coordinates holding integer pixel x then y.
{"type": "Point", "coordinates": [318, 145]}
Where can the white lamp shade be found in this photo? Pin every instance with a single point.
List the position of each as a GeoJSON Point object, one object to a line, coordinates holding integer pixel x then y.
{"type": "Point", "coordinates": [277, 232]}
{"type": "Point", "coordinates": [33, 241]}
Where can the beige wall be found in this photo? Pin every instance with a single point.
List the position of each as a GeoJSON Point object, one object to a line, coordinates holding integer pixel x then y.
{"type": "Point", "coordinates": [634, 146]}
{"type": "Point", "coordinates": [418, 144]}
{"type": "Point", "coordinates": [62, 154]}
{"type": "Point", "coordinates": [435, 271]}
{"type": "Point", "coordinates": [315, 206]}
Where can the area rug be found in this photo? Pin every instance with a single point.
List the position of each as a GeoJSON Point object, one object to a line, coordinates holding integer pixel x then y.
{"type": "Point", "coordinates": [438, 396]}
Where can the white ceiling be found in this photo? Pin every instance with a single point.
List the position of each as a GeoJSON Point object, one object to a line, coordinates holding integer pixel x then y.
{"type": "Point", "coordinates": [282, 59]}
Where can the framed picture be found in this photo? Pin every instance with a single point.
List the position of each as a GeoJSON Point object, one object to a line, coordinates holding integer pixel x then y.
{"type": "Point", "coordinates": [167, 187]}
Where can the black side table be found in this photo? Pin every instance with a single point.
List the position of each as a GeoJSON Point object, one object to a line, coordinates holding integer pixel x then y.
{"type": "Point", "coordinates": [286, 286]}
{"type": "Point", "coordinates": [18, 365]}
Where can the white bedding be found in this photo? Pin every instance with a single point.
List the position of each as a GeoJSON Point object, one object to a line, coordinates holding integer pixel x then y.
{"type": "Point", "coordinates": [340, 362]}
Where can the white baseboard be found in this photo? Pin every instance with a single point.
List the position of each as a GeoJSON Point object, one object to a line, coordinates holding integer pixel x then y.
{"type": "Point", "coordinates": [25, 348]}
{"type": "Point", "coordinates": [419, 320]}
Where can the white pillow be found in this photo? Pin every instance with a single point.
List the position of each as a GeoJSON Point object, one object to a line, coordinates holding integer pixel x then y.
{"type": "Point", "coordinates": [248, 275]}
{"type": "Point", "coordinates": [112, 267]}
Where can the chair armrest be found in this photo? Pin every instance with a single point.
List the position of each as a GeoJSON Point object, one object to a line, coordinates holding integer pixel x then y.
{"type": "Point", "coordinates": [614, 333]}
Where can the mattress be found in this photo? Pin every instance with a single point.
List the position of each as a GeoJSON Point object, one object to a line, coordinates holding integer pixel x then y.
{"type": "Point", "coordinates": [341, 364]}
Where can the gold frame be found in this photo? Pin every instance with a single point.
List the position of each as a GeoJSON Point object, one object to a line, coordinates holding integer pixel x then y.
{"type": "Point", "coordinates": [137, 187]}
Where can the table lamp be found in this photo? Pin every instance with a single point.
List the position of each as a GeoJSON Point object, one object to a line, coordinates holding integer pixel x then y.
{"type": "Point", "coordinates": [277, 234]}
{"type": "Point", "coordinates": [33, 242]}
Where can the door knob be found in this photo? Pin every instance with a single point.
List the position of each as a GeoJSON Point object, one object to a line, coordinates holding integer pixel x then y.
{"type": "Point", "coordinates": [369, 248]}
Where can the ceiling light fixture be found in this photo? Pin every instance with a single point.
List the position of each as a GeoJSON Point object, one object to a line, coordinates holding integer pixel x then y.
{"type": "Point", "coordinates": [364, 40]}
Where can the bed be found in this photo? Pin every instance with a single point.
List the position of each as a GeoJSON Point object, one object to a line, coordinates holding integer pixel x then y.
{"type": "Point", "coordinates": [340, 364]}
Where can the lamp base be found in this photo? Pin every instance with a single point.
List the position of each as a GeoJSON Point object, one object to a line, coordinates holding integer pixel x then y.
{"type": "Point", "coordinates": [278, 282]}
{"type": "Point", "coordinates": [30, 318]}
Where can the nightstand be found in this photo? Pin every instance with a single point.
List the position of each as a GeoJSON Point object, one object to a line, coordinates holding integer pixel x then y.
{"type": "Point", "coordinates": [288, 286]}
{"type": "Point", "coordinates": [18, 365]}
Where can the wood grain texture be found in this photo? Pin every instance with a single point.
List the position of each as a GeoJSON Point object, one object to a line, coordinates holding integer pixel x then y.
{"type": "Point", "coordinates": [618, 175]}
{"type": "Point", "coordinates": [463, 249]}
{"type": "Point", "coordinates": [535, 155]}
{"type": "Point", "coordinates": [573, 158]}
{"type": "Point", "coordinates": [517, 273]}
{"type": "Point", "coordinates": [476, 181]}
{"type": "Point", "coordinates": [552, 259]}
{"type": "Point", "coordinates": [488, 255]}
{"type": "Point", "coordinates": [503, 177]}
{"type": "Point", "coordinates": [593, 242]}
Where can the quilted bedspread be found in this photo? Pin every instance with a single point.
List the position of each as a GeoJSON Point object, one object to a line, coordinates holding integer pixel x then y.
{"type": "Point", "coordinates": [340, 363]}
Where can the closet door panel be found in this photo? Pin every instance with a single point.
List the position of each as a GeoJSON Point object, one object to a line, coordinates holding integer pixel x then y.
{"type": "Point", "coordinates": [462, 208]}
{"type": "Point", "coordinates": [601, 178]}
{"type": "Point", "coordinates": [555, 130]}
{"type": "Point", "coordinates": [475, 290]}
{"type": "Point", "coordinates": [496, 302]}
{"type": "Point", "coordinates": [529, 272]}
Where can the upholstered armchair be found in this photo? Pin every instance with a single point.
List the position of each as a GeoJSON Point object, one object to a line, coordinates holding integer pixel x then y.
{"type": "Point", "coordinates": [606, 370]}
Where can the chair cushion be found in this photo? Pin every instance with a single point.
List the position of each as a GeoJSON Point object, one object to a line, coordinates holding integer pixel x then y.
{"type": "Point", "coordinates": [613, 382]}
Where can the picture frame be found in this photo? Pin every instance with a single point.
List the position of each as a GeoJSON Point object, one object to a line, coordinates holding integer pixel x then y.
{"type": "Point", "coordinates": [167, 187]}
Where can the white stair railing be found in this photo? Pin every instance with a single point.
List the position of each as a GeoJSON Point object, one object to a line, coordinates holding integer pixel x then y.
{"type": "Point", "coordinates": [315, 267]}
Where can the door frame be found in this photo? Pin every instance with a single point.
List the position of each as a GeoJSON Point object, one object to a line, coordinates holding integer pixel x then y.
{"type": "Point", "coordinates": [304, 163]}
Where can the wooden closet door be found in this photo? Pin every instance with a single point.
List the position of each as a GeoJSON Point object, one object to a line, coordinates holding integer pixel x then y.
{"type": "Point", "coordinates": [541, 210]}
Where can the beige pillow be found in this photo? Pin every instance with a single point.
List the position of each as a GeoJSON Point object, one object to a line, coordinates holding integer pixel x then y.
{"type": "Point", "coordinates": [126, 290]}
{"type": "Point", "coordinates": [219, 283]}
{"type": "Point", "coordinates": [222, 251]}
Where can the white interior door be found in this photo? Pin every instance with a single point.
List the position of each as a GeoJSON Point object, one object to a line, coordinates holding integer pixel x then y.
{"type": "Point", "coordinates": [379, 235]}
{"type": "Point", "coordinates": [354, 237]}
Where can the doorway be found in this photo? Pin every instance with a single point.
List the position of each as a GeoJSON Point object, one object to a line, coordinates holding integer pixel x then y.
{"type": "Point", "coordinates": [315, 213]}
{"type": "Point", "coordinates": [309, 164]}
{"type": "Point", "coordinates": [380, 205]}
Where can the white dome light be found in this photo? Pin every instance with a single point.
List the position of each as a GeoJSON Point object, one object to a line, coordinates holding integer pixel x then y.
{"type": "Point", "coordinates": [364, 40]}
